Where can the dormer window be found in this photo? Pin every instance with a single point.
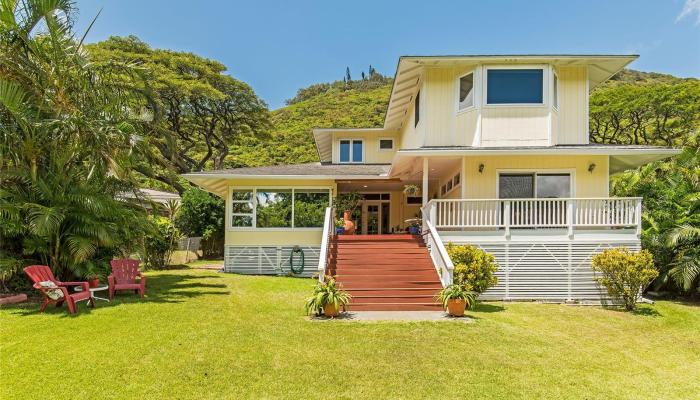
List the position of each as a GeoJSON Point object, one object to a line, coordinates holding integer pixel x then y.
{"type": "Point", "coordinates": [466, 91]}
{"type": "Point", "coordinates": [416, 110]}
{"type": "Point", "coordinates": [351, 151]}
{"type": "Point", "coordinates": [514, 86]}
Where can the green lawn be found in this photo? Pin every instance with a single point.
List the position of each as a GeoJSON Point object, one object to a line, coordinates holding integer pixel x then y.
{"type": "Point", "coordinates": [202, 334]}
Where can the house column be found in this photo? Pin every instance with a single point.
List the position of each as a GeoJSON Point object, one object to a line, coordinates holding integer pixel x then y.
{"type": "Point", "coordinates": [424, 188]}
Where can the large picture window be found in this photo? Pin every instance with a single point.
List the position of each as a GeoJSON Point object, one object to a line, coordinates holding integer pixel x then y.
{"type": "Point", "coordinates": [514, 86]}
{"type": "Point", "coordinates": [278, 208]}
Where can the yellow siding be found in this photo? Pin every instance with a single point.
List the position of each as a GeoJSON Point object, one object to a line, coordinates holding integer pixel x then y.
{"type": "Point", "coordinates": [573, 101]}
{"type": "Point", "coordinates": [514, 126]}
{"type": "Point", "coordinates": [302, 236]}
{"type": "Point", "coordinates": [466, 127]}
{"type": "Point", "coordinates": [439, 100]}
{"type": "Point", "coordinates": [586, 184]}
{"type": "Point", "coordinates": [411, 136]}
{"type": "Point", "coordinates": [371, 145]}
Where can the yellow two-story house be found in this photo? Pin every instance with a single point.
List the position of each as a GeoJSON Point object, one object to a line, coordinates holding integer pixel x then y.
{"type": "Point", "coordinates": [498, 146]}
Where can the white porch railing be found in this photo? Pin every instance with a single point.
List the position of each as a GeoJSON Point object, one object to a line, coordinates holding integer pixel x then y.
{"type": "Point", "coordinates": [328, 232]}
{"type": "Point", "coordinates": [570, 213]}
{"type": "Point", "coordinates": [438, 252]}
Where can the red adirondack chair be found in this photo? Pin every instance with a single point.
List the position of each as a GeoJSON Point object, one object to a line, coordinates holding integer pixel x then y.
{"type": "Point", "coordinates": [59, 293]}
{"type": "Point", "coordinates": [123, 277]}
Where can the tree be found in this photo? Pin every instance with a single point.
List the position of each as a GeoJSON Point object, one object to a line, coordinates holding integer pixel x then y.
{"type": "Point", "coordinates": [202, 214]}
{"type": "Point", "coordinates": [199, 111]}
{"type": "Point", "coordinates": [348, 78]}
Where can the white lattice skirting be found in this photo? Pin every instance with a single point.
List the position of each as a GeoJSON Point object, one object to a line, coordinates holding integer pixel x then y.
{"type": "Point", "coordinates": [547, 270]}
{"type": "Point", "coordinates": [268, 260]}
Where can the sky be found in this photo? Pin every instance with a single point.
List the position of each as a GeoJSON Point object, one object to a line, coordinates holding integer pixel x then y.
{"type": "Point", "coordinates": [280, 46]}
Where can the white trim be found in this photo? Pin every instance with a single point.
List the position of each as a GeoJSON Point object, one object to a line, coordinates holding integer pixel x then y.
{"type": "Point", "coordinates": [457, 91]}
{"type": "Point", "coordinates": [351, 154]}
{"type": "Point", "coordinates": [229, 212]}
{"type": "Point", "coordinates": [535, 171]}
{"type": "Point", "coordinates": [379, 144]}
{"type": "Point", "coordinates": [543, 67]}
{"type": "Point", "coordinates": [283, 177]}
{"type": "Point", "coordinates": [536, 151]}
{"type": "Point", "coordinates": [555, 87]}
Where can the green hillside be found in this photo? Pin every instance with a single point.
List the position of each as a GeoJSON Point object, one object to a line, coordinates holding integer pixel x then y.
{"type": "Point", "coordinates": [358, 105]}
{"type": "Point", "coordinates": [363, 103]}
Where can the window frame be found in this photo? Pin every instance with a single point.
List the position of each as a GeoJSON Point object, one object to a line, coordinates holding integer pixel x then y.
{"type": "Point", "coordinates": [351, 153]}
{"type": "Point", "coordinates": [534, 172]}
{"type": "Point", "coordinates": [545, 78]}
{"type": "Point", "coordinates": [458, 88]}
{"type": "Point", "coordinates": [416, 109]}
{"type": "Point", "coordinates": [379, 144]}
{"type": "Point", "coordinates": [254, 189]}
{"type": "Point", "coordinates": [555, 90]}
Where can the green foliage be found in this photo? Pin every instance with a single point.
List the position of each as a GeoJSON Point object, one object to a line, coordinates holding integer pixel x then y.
{"type": "Point", "coordinates": [198, 112]}
{"type": "Point", "coordinates": [347, 202]}
{"type": "Point", "coordinates": [327, 292]}
{"type": "Point", "coordinates": [474, 268]}
{"type": "Point", "coordinates": [359, 105]}
{"type": "Point", "coordinates": [68, 127]}
{"type": "Point", "coordinates": [202, 214]}
{"type": "Point", "coordinates": [457, 292]}
{"type": "Point", "coordinates": [671, 216]}
{"type": "Point", "coordinates": [624, 273]}
{"type": "Point", "coordinates": [159, 242]}
{"type": "Point", "coordinates": [650, 112]}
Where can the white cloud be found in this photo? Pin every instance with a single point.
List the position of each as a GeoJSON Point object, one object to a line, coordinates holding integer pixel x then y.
{"type": "Point", "coordinates": [689, 8]}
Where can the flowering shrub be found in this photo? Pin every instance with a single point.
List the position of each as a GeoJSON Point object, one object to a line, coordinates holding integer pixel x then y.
{"type": "Point", "coordinates": [474, 268]}
{"type": "Point", "coordinates": [624, 273]}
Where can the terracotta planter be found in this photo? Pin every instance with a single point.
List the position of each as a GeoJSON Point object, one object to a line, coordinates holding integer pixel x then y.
{"type": "Point", "coordinates": [93, 283]}
{"type": "Point", "coordinates": [348, 226]}
{"type": "Point", "coordinates": [456, 307]}
{"type": "Point", "coordinates": [330, 310]}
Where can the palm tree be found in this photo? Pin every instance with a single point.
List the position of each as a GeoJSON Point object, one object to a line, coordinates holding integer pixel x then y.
{"type": "Point", "coordinates": [67, 129]}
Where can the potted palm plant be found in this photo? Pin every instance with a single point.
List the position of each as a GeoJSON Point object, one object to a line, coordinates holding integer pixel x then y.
{"type": "Point", "coordinates": [327, 298]}
{"type": "Point", "coordinates": [456, 298]}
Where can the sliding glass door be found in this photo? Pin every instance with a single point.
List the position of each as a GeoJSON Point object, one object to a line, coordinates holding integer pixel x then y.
{"type": "Point", "coordinates": [535, 185]}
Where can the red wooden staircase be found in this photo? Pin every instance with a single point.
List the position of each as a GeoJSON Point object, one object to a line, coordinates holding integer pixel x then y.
{"type": "Point", "coordinates": [385, 272]}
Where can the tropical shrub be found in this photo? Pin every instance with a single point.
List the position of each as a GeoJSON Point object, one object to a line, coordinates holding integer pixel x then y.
{"type": "Point", "coordinates": [624, 273]}
{"type": "Point", "coordinates": [202, 214]}
{"type": "Point", "coordinates": [474, 267]}
{"type": "Point", "coordinates": [159, 243]}
{"type": "Point", "coordinates": [327, 292]}
{"type": "Point", "coordinates": [457, 292]}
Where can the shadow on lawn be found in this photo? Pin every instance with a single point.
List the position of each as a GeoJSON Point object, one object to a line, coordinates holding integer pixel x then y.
{"type": "Point", "coordinates": [487, 308]}
{"type": "Point", "coordinates": [161, 288]}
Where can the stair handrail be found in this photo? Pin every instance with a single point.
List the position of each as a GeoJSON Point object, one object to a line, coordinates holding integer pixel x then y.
{"type": "Point", "coordinates": [442, 261]}
{"type": "Point", "coordinates": [328, 232]}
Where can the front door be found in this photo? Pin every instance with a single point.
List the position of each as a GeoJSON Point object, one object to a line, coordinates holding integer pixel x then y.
{"type": "Point", "coordinates": [375, 217]}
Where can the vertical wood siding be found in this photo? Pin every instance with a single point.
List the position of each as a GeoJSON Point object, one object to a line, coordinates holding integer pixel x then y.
{"type": "Point", "coordinates": [573, 102]}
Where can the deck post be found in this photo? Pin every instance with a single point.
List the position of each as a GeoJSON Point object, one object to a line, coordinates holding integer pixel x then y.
{"type": "Point", "coordinates": [639, 217]}
{"type": "Point", "coordinates": [570, 217]}
{"type": "Point", "coordinates": [506, 211]}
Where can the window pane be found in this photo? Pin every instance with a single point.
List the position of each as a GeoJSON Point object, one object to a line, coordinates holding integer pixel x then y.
{"type": "Point", "coordinates": [466, 91]}
{"type": "Point", "coordinates": [242, 220]}
{"type": "Point", "coordinates": [514, 86]}
{"type": "Point", "coordinates": [310, 208]}
{"type": "Point", "coordinates": [241, 207]}
{"type": "Point", "coordinates": [274, 208]}
{"type": "Point", "coordinates": [241, 195]}
{"type": "Point", "coordinates": [386, 144]}
{"type": "Point", "coordinates": [357, 151]}
{"type": "Point", "coordinates": [414, 200]}
{"type": "Point", "coordinates": [556, 91]}
{"type": "Point", "coordinates": [344, 151]}
{"type": "Point", "coordinates": [515, 186]}
{"type": "Point", "coordinates": [553, 185]}
{"type": "Point", "coordinates": [456, 179]}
